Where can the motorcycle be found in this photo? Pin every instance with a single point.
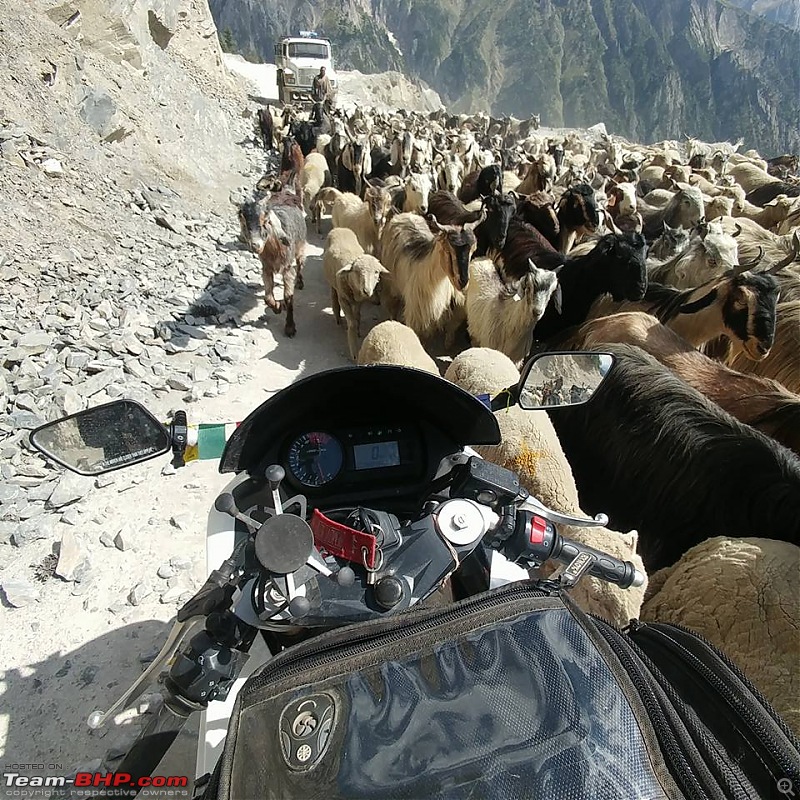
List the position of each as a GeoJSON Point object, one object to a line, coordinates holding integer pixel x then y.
{"type": "Point", "coordinates": [355, 497]}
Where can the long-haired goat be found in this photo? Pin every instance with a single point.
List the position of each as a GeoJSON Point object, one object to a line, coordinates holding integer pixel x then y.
{"type": "Point", "coordinates": [539, 209]}
{"type": "Point", "coordinates": [275, 229]}
{"type": "Point", "coordinates": [414, 194]}
{"type": "Point", "coordinates": [525, 243]}
{"type": "Point", "coordinates": [577, 213]}
{"type": "Point", "coordinates": [783, 362]}
{"type": "Point", "coordinates": [366, 218]}
{"type": "Point", "coordinates": [502, 316]}
{"type": "Point", "coordinates": [685, 209]}
{"type": "Point", "coordinates": [741, 307]}
{"type": "Point", "coordinates": [711, 252]}
{"type": "Point", "coordinates": [493, 217]}
{"type": "Point", "coordinates": [762, 403]}
{"type": "Point", "coordinates": [428, 270]}
{"type": "Point", "coordinates": [658, 457]}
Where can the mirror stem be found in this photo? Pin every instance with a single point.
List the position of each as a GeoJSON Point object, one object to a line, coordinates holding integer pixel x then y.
{"type": "Point", "coordinates": [179, 433]}
{"type": "Point", "coordinates": [507, 398]}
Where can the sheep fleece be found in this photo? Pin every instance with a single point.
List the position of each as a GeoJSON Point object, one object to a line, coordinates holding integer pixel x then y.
{"type": "Point", "coordinates": [741, 595]}
{"type": "Point", "coordinates": [531, 448]}
{"type": "Point", "coordinates": [392, 342]}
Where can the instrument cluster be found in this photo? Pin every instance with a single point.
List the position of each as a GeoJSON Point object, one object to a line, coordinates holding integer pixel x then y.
{"type": "Point", "coordinates": [344, 458]}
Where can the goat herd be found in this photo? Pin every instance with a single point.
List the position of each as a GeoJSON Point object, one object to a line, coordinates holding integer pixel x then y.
{"type": "Point", "coordinates": [683, 259]}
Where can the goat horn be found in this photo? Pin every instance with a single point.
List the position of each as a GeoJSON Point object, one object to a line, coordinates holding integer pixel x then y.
{"type": "Point", "coordinates": [738, 230]}
{"type": "Point", "coordinates": [744, 266]}
{"type": "Point", "coordinates": [470, 226]}
{"type": "Point", "coordinates": [781, 264]}
{"type": "Point", "coordinates": [433, 221]}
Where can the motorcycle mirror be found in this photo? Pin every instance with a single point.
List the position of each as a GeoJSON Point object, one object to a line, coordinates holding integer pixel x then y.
{"type": "Point", "coordinates": [551, 380]}
{"type": "Point", "coordinates": [103, 438]}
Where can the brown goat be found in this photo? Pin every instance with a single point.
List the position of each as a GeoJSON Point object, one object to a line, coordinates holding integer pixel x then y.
{"type": "Point", "coordinates": [275, 230]}
{"type": "Point", "coordinates": [760, 402]}
{"type": "Point", "coordinates": [539, 209]}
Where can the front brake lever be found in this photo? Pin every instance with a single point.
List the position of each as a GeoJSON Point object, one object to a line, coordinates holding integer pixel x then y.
{"type": "Point", "coordinates": [599, 520]}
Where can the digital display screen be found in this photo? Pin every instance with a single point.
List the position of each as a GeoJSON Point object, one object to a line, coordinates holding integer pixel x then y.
{"type": "Point", "coordinates": [379, 454]}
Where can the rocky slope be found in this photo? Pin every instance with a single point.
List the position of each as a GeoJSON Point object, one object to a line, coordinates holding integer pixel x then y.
{"type": "Point", "coordinates": [648, 70]}
{"type": "Point", "coordinates": [784, 12]}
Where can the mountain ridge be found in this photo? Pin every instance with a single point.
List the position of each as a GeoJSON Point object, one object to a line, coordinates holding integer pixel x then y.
{"type": "Point", "coordinates": [649, 71]}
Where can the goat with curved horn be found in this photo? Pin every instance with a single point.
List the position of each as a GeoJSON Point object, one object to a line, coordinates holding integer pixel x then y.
{"type": "Point", "coordinates": [470, 226]}
{"type": "Point", "coordinates": [433, 222]}
{"type": "Point", "coordinates": [743, 266]}
{"type": "Point", "coordinates": [793, 256]}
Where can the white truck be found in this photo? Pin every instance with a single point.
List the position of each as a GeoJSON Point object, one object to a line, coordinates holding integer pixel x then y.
{"type": "Point", "coordinates": [298, 59]}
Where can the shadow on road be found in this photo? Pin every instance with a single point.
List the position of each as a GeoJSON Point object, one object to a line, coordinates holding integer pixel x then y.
{"type": "Point", "coordinates": [49, 701]}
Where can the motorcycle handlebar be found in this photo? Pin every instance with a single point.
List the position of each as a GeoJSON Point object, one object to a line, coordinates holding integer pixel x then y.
{"type": "Point", "coordinates": [526, 535]}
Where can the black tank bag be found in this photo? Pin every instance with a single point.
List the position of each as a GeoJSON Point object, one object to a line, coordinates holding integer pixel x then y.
{"type": "Point", "coordinates": [515, 693]}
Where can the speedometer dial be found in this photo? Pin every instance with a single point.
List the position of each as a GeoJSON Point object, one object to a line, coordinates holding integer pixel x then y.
{"type": "Point", "coordinates": [315, 458]}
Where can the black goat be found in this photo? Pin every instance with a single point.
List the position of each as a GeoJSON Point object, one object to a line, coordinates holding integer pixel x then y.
{"type": "Point", "coordinates": [657, 456]}
{"type": "Point", "coordinates": [616, 265]}
{"type": "Point", "coordinates": [767, 193]}
{"type": "Point", "coordinates": [320, 119]}
{"type": "Point", "coordinates": [381, 163]}
{"type": "Point", "coordinates": [481, 183]}
{"type": "Point", "coordinates": [304, 134]}
{"type": "Point", "coordinates": [496, 209]}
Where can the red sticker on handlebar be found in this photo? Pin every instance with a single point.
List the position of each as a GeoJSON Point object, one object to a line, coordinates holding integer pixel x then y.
{"type": "Point", "coordinates": [343, 541]}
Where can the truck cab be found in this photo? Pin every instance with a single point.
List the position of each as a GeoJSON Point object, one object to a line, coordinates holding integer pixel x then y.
{"type": "Point", "coordinates": [298, 59]}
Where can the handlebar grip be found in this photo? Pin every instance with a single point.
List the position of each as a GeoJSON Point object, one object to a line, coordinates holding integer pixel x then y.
{"type": "Point", "coordinates": [534, 539]}
{"type": "Point", "coordinates": [622, 573]}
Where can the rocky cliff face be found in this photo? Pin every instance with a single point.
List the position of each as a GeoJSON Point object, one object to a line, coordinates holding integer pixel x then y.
{"type": "Point", "coordinates": [784, 12]}
{"type": "Point", "coordinates": [119, 74]}
{"type": "Point", "coordinates": [649, 70]}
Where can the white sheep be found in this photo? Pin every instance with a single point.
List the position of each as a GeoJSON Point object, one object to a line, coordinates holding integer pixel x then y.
{"type": "Point", "coordinates": [366, 218]}
{"type": "Point", "coordinates": [353, 277]}
{"type": "Point", "coordinates": [741, 595]}
{"type": "Point", "coordinates": [315, 176]}
{"type": "Point", "coordinates": [392, 342]}
{"type": "Point", "coordinates": [502, 317]}
{"type": "Point", "coordinates": [531, 448]}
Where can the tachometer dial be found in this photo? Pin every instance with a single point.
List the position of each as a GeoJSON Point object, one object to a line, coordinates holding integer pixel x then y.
{"type": "Point", "coordinates": [315, 458]}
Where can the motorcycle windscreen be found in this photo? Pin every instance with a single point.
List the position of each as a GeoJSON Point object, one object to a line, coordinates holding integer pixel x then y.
{"type": "Point", "coordinates": [354, 393]}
